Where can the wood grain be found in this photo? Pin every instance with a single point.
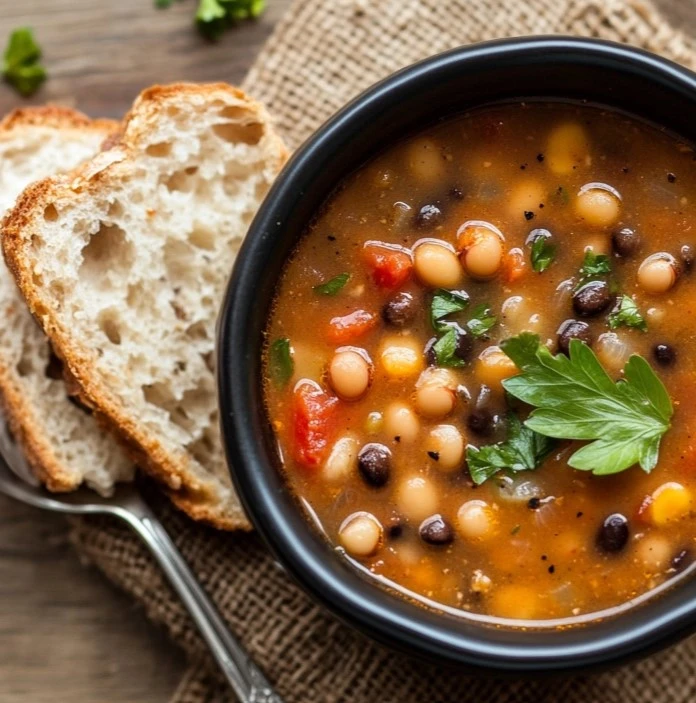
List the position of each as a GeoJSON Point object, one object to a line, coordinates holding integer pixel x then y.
{"type": "Point", "coordinates": [65, 633]}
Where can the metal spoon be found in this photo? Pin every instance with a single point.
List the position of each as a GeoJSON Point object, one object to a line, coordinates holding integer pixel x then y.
{"type": "Point", "coordinates": [16, 481]}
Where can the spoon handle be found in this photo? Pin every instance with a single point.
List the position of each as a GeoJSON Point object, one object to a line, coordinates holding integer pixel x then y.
{"type": "Point", "coordinates": [245, 678]}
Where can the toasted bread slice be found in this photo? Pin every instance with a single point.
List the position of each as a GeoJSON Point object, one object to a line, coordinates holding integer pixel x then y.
{"type": "Point", "coordinates": [63, 445]}
{"type": "Point", "coordinates": [124, 262]}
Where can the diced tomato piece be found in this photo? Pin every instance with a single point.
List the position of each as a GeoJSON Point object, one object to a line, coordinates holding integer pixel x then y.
{"type": "Point", "coordinates": [349, 327]}
{"type": "Point", "coordinates": [314, 423]}
{"type": "Point", "coordinates": [514, 266]}
{"type": "Point", "coordinates": [390, 266]}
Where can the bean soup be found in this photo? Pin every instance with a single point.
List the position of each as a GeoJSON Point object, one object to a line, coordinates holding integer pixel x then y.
{"type": "Point", "coordinates": [481, 362]}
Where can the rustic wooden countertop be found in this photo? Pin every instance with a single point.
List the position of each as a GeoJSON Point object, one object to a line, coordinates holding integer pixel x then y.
{"type": "Point", "coordinates": [65, 633]}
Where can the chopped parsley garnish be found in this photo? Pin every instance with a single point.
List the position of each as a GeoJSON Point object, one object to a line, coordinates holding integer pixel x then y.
{"type": "Point", "coordinates": [446, 302]}
{"type": "Point", "coordinates": [445, 349]}
{"type": "Point", "coordinates": [482, 319]}
{"type": "Point", "coordinates": [214, 16]}
{"type": "Point", "coordinates": [543, 252]}
{"type": "Point", "coordinates": [628, 315]}
{"type": "Point", "coordinates": [280, 363]}
{"type": "Point", "coordinates": [21, 67]}
{"type": "Point", "coordinates": [594, 267]}
{"type": "Point", "coordinates": [332, 286]}
{"type": "Point", "coordinates": [523, 450]}
{"type": "Point", "coordinates": [575, 398]}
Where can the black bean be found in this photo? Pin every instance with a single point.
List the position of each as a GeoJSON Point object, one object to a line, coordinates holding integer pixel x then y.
{"type": "Point", "coordinates": [625, 241]}
{"type": "Point", "coordinates": [664, 354]}
{"type": "Point", "coordinates": [613, 534]}
{"type": "Point", "coordinates": [687, 256]}
{"type": "Point", "coordinates": [436, 530]}
{"type": "Point", "coordinates": [429, 352]}
{"type": "Point", "coordinates": [428, 217]}
{"type": "Point", "coordinates": [682, 559]}
{"type": "Point", "coordinates": [465, 343]}
{"type": "Point", "coordinates": [399, 310]}
{"type": "Point", "coordinates": [374, 464]}
{"type": "Point", "coordinates": [593, 298]}
{"type": "Point", "coordinates": [482, 422]}
{"type": "Point", "coordinates": [573, 329]}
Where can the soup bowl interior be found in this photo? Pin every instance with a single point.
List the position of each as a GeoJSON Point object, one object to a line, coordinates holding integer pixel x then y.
{"type": "Point", "coordinates": [620, 78]}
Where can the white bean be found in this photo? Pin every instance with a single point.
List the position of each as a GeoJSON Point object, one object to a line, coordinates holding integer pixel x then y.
{"type": "Point", "coordinates": [400, 421]}
{"type": "Point", "coordinates": [417, 498]}
{"type": "Point", "coordinates": [447, 444]}
{"type": "Point", "coordinates": [360, 534]}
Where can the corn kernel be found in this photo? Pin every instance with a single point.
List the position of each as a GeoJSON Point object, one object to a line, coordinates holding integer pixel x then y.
{"type": "Point", "coordinates": [670, 501]}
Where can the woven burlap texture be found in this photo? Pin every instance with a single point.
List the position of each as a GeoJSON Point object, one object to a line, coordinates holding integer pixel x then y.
{"type": "Point", "coordinates": [321, 55]}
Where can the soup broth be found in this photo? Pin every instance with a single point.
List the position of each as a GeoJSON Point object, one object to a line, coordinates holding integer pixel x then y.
{"type": "Point", "coordinates": [388, 371]}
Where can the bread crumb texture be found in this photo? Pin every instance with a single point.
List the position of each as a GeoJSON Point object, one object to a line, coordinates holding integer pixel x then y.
{"type": "Point", "coordinates": [124, 263]}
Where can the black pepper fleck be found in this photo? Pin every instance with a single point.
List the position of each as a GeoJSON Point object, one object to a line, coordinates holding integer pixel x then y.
{"type": "Point", "coordinates": [528, 215]}
{"type": "Point", "coordinates": [625, 169]}
{"type": "Point", "coordinates": [552, 569]}
{"type": "Point", "coordinates": [397, 438]}
{"type": "Point", "coordinates": [456, 193]}
{"type": "Point", "coordinates": [544, 557]}
{"type": "Point", "coordinates": [579, 513]}
{"type": "Point", "coordinates": [540, 157]}
{"type": "Point", "coordinates": [523, 166]}
{"type": "Point", "coordinates": [671, 177]}
{"type": "Point", "coordinates": [435, 456]}
{"type": "Point", "coordinates": [331, 238]}
{"type": "Point", "coordinates": [395, 531]}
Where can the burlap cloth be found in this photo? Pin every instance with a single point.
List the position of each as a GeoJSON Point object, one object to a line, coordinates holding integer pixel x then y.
{"type": "Point", "coordinates": [320, 55]}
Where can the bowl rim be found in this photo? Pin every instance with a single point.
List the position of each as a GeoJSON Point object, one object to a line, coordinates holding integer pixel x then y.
{"type": "Point", "coordinates": [360, 604]}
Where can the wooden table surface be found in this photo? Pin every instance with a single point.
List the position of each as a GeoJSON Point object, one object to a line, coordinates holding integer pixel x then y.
{"type": "Point", "coordinates": [65, 633]}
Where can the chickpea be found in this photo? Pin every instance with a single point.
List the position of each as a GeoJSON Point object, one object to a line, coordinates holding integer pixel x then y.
{"type": "Point", "coordinates": [400, 421]}
{"type": "Point", "coordinates": [612, 351]}
{"type": "Point", "coordinates": [436, 264]}
{"type": "Point", "coordinates": [417, 498]}
{"type": "Point", "coordinates": [658, 273]}
{"type": "Point", "coordinates": [598, 204]}
{"type": "Point", "coordinates": [481, 246]}
{"type": "Point", "coordinates": [360, 534]}
{"type": "Point", "coordinates": [349, 373]}
{"type": "Point", "coordinates": [435, 393]}
{"type": "Point", "coordinates": [341, 459]}
{"type": "Point", "coordinates": [567, 148]}
{"type": "Point", "coordinates": [425, 159]}
{"type": "Point", "coordinates": [655, 552]}
{"type": "Point", "coordinates": [493, 366]}
{"type": "Point", "coordinates": [476, 520]}
{"type": "Point", "coordinates": [525, 197]}
{"type": "Point", "coordinates": [514, 601]}
{"type": "Point", "coordinates": [447, 442]}
{"type": "Point", "coordinates": [401, 357]}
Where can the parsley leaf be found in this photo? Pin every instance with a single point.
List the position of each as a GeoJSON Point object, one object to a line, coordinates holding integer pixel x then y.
{"type": "Point", "coordinates": [280, 363]}
{"type": "Point", "coordinates": [163, 4]}
{"type": "Point", "coordinates": [214, 16]}
{"type": "Point", "coordinates": [21, 67]}
{"type": "Point", "coordinates": [333, 286]}
{"type": "Point", "coordinates": [523, 450]}
{"type": "Point", "coordinates": [482, 319]}
{"type": "Point", "coordinates": [575, 398]}
{"type": "Point", "coordinates": [543, 251]}
{"type": "Point", "coordinates": [445, 349]}
{"type": "Point", "coordinates": [594, 267]}
{"type": "Point", "coordinates": [446, 302]}
{"type": "Point", "coordinates": [627, 314]}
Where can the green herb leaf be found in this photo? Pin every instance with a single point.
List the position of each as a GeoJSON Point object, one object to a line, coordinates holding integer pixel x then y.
{"type": "Point", "coordinates": [523, 450]}
{"type": "Point", "coordinates": [482, 320]}
{"type": "Point", "coordinates": [575, 398]}
{"type": "Point", "coordinates": [21, 67]}
{"type": "Point", "coordinates": [214, 16]}
{"type": "Point", "coordinates": [333, 286]}
{"type": "Point", "coordinates": [445, 348]}
{"type": "Point", "coordinates": [594, 267]}
{"type": "Point", "coordinates": [542, 254]}
{"type": "Point", "coordinates": [446, 302]}
{"type": "Point", "coordinates": [280, 363]}
{"type": "Point", "coordinates": [163, 4]}
{"type": "Point", "coordinates": [627, 314]}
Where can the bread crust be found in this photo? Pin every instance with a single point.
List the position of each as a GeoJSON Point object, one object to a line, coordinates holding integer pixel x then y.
{"type": "Point", "coordinates": [188, 492]}
{"type": "Point", "coordinates": [18, 410]}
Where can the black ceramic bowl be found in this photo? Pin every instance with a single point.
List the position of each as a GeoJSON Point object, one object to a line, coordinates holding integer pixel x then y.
{"type": "Point", "coordinates": [554, 68]}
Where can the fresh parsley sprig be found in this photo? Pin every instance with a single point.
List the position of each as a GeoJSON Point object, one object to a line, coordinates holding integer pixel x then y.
{"type": "Point", "coordinates": [522, 450]}
{"type": "Point", "coordinates": [481, 321]}
{"type": "Point", "coordinates": [21, 67]}
{"type": "Point", "coordinates": [332, 286]}
{"type": "Point", "coordinates": [575, 398]}
{"type": "Point", "coordinates": [627, 314]}
{"type": "Point", "coordinates": [214, 16]}
{"type": "Point", "coordinates": [542, 249]}
{"type": "Point", "coordinates": [594, 267]}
